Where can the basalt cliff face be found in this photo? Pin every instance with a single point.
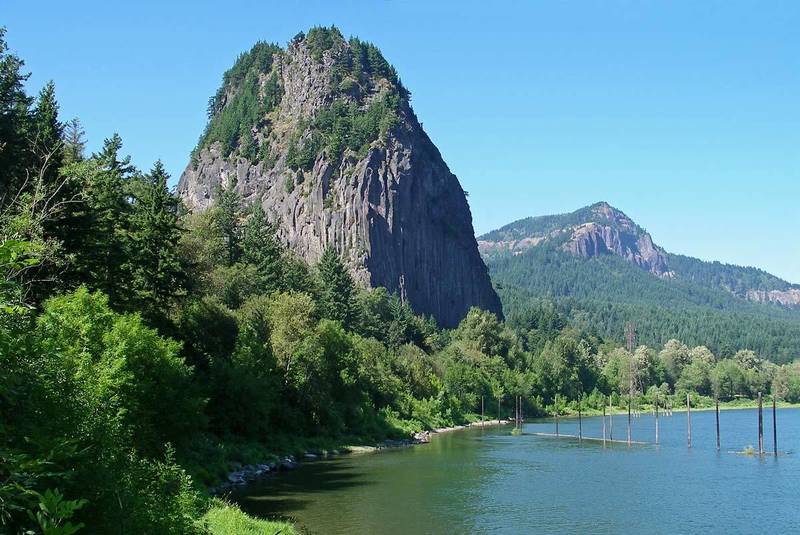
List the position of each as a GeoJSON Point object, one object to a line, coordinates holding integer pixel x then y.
{"type": "Point", "coordinates": [322, 134]}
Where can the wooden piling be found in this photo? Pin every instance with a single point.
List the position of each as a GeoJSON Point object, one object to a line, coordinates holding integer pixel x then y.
{"type": "Point", "coordinates": [516, 412]}
{"type": "Point", "coordinates": [760, 426]}
{"type": "Point", "coordinates": [580, 423]}
{"type": "Point", "coordinates": [629, 420]}
{"type": "Point", "coordinates": [774, 426]}
{"type": "Point", "coordinates": [688, 421]}
{"type": "Point", "coordinates": [604, 424]}
{"type": "Point", "coordinates": [556, 402]}
{"type": "Point", "coordinates": [610, 420]}
{"type": "Point", "coordinates": [716, 401]}
{"type": "Point", "coordinates": [482, 421]}
{"type": "Point", "coordinates": [656, 421]}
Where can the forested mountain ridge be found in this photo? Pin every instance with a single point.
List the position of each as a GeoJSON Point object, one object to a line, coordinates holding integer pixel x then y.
{"type": "Point", "coordinates": [601, 229]}
{"type": "Point", "coordinates": [605, 270]}
{"type": "Point", "coordinates": [323, 136]}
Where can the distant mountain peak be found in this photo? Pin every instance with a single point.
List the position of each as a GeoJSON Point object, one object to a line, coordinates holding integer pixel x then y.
{"type": "Point", "coordinates": [595, 230]}
{"type": "Point", "coordinates": [601, 230]}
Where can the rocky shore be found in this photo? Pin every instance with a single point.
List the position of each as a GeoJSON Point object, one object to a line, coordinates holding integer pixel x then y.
{"type": "Point", "coordinates": [250, 473]}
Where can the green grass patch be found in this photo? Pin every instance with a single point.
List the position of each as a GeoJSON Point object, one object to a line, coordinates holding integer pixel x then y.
{"type": "Point", "coordinates": [227, 519]}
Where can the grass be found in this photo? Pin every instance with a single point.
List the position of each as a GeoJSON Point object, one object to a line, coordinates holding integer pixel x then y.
{"type": "Point", "coordinates": [227, 519]}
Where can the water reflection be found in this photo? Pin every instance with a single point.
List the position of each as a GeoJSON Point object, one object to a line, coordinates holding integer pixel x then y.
{"type": "Point", "coordinates": [486, 481]}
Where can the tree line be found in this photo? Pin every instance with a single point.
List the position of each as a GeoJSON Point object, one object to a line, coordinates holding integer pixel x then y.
{"type": "Point", "coordinates": [605, 293]}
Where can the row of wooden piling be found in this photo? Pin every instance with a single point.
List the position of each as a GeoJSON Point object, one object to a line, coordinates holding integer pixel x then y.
{"type": "Point", "coordinates": [688, 423]}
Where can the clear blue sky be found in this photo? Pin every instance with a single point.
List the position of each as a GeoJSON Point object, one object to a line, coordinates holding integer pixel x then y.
{"type": "Point", "coordinates": [684, 114]}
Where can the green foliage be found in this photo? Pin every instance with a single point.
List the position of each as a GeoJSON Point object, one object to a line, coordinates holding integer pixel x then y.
{"type": "Point", "coordinates": [227, 519]}
{"type": "Point", "coordinates": [208, 329]}
{"type": "Point", "coordinates": [88, 385]}
{"type": "Point", "coordinates": [303, 149]}
{"type": "Point", "coordinates": [227, 214]}
{"type": "Point", "coordinates": [786, 384]}
{"type": "Point", "coordinates": [602, 294]}
{"type": "Point", "coordinates": [336, 289]}
{"type": "Point", "coordinates": [249, 91]}
{"type": "Point", "coordinates": [154, 265]}
{"type": "Point", "coordinates": [262, 250]}
{"type": "Point", "coordinates": [321, 39]}
{"type": "Point", "coordinates": [700, 303]}
{"type": "Point", "coordinates": [343, 125]}
{"type": "Point", "coordinates": [54, 514]}
{"type": "Point", "coordinates": [15, 119]}
{"type": "Point", "coordinates": [123, 364]}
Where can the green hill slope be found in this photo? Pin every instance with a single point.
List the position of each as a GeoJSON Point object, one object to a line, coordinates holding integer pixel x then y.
{"type": "Point", "coordinates": [603, 270]}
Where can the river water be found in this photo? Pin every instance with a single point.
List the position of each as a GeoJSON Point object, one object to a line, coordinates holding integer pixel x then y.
{"type": "Point", "coordinates": [488, 481]}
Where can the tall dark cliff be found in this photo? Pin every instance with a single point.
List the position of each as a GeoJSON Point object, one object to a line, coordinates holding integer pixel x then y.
{"type": "Point", "coordinates": [323, 135]}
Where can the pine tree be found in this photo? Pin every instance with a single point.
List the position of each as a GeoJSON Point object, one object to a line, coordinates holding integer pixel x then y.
{"type": "Point", "coordinates": [14, 123]}
{"type": "Point", "coordinates": [74, 141]}
{"type": "Point", "coordinates": [102, 248]}
{"type": "Point", "coordinates": [47, 130]}
{"type": "Point", "coordinates": [154, 265]}
{"type": "Point", "coordinates": [261, 248]}
{"type": "Point", "coordinates": [109, 157]}
{"type": "Point", "coordinates": [336, 289]}
{"type": "Point", "coordinates": [227, 214]}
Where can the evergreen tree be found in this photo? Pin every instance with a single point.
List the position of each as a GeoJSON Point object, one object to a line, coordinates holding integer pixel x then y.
{"type": "Point", "coordinates": [101, 253]}
{"type": "Point", "coordinates": [14, 122]}
{"type": "Point", "coordinates": [109, 157]}
{"type": "Point", "coordinates": [227, 214]}
{"type": "Point", "coordinates": [154, 263]}
{"type": "Point", "coordinates": [74, 141]}
{"type": "Point", "coordinates": [261, 248]}
{"type": "Point", "coordinates": [47, 132]}
{"type": "Point", "coordinates": [336, 289]}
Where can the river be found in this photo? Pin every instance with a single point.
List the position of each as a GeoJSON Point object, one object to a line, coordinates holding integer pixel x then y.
{"type": "Point", "coordinates": [488, 481]}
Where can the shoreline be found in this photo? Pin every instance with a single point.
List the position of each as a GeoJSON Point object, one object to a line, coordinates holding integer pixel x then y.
{"type": "Point", "coordinates": [251, 473]}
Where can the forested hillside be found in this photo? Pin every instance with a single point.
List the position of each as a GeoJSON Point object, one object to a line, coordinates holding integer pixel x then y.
{"type": "Point", "coordinates": [612, 274]}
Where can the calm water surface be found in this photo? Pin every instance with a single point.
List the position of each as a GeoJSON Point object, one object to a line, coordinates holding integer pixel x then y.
{"type": "Point", "coordinates": [487, 481]}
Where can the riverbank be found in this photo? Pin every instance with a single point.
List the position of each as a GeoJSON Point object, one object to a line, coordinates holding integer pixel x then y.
{"type": "Point", "coordinates": [242, 474]}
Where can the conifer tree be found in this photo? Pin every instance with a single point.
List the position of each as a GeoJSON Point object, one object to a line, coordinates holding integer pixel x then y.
{"type": "Point", "coordinates": [74, 141]}
{"type": "Point", "coordinates": [227, 214]}
{"type": "Point", "coordinates": [14, 122]}
{"type": "Point", "coordinates": [154, 265]}
{"type": "Point", "coordinates": [261, 248]}
{"type": "Point", "coordinates": [100, 254]}
{"type": "Point", "coordinates": [336, 289]}
{"type": "Point", "coordinates": [47, 130]}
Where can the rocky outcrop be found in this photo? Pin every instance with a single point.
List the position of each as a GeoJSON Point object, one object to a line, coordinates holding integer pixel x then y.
{"type": "Point", "coordinates": [593, 239]}
{"type": "Point", "coordinates": [390, 207]}
{"type": "Point", "coordinates": [787, 298]}
{"type": "Point", "coordinates": [599, 229]}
